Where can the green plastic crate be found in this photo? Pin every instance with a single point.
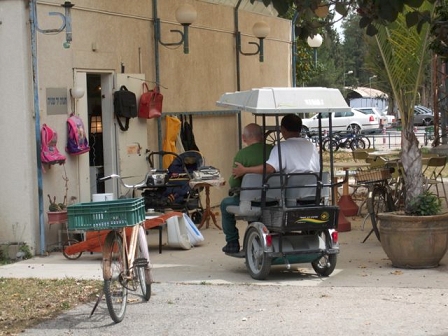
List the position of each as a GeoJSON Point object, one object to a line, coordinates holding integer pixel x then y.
{"type": "Point", "coordinates": [106, 215]}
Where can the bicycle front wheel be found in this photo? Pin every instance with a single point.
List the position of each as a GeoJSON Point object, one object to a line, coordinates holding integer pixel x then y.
{"type": "Point", "coordinates": [143, 266]}
{"type": "Point", "coordinates": [114, 267]}
{"type": "Point", "coordinates": [357, 143]}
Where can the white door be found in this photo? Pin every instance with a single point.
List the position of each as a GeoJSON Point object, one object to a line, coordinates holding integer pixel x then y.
{"type": "Point", "coordinates": [123, 152]}
{"type": "Point", "coordinates": [131, 144]}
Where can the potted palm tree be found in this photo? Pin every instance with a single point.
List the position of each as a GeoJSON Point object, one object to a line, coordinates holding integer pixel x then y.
{"type": "Point", "coordinates": [416, 237]}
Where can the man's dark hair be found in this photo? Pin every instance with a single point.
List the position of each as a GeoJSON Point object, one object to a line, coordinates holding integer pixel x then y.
{"type": "Point", "coordinates": [292, 123]}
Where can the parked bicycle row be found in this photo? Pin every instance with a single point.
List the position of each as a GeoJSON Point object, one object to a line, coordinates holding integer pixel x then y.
{"type": "Point", "coordinates": [389, 139]}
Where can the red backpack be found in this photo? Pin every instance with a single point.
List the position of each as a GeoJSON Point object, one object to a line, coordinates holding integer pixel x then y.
{"type": "Point", "coordinates": [77, 142]}
{"type": "Point", "coordinates": [49, 152]}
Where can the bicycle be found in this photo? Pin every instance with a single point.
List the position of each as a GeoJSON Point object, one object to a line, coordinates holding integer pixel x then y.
{"type": "Point", "coordinates": [385, 193]}
{"type": "Point", "coordinates": [347, 140]}
{"type": "Point", "coordinates": [126, 262]}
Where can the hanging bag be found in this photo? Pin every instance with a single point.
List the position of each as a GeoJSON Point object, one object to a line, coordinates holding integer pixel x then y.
{"type": "Point", "coordinates": [49, 152]}
{"type": "Point", "coordinates": [150, 105]}
{"type": "Point", "coordinates": [77, 142]}
{"type": "Point", "coordinates": [125, 106]}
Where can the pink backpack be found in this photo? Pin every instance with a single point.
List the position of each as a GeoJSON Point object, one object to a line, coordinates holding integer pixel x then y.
{"type": "Point", "coordinates": [77, 142]}
{"type": "Point", "coordinates": [49, 152]}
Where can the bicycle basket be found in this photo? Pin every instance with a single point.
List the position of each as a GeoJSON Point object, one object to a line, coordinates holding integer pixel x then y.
{"type": "Point", "coordinates": [373, 175]}
{"type": "Point", "coordinates": [106, 215]}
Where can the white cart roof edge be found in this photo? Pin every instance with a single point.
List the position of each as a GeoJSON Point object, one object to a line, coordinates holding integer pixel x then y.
{"type": "Point", "coordinates": [284, 100]}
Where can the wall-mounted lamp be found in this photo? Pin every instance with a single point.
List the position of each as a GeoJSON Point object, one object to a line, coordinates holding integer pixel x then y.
{"type": "Point", "coordinates": [66, 23]}
{"type": "Point", "coordinates": [77, 92]}
{"type": "Point", "coordinates": [96, 125]}
{"type": "Point", "coordinates": [185, 14]}
{"type": "Point", "coordinates": [260, 30]}
{"type": "Point", "coordinates": [350, 72]}
{"type": "Point", "coordinates": [315, 42]}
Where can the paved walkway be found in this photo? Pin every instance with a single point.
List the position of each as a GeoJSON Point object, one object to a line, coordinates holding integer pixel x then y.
{"type": "Point", "coordinates": [203, 292]}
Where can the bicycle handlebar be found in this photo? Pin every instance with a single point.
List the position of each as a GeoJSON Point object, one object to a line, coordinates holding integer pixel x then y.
{"type": "Point", "coordinates": [128, 186]}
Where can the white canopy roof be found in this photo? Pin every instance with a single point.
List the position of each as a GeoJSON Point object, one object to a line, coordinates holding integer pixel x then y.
{"type": "Point", "coordinates": [283, 100]}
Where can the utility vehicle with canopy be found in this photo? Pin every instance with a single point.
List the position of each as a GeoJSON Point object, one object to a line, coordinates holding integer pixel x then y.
{"type": "Point", "coordinates": [290, 219]}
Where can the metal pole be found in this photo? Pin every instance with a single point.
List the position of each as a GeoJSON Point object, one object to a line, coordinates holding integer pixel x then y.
{"type": "Point", "coordinates": [238, 75]}
{"type": "Point", "coordinates": [33, 16]}
{"type": "Point", "coordinates": [294, 49]}
{"type": "Point", "coordinates": [157, 65]}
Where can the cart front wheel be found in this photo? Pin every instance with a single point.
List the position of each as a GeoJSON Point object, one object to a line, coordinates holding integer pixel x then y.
{"type": "Point", "coordinates": [257, 261]}
{"type": "Point", "coordinates": [325, 265]}
{"type": "Point", "coordinates": [72, 256]}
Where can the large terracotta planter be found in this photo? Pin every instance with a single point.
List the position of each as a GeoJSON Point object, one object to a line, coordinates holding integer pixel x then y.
{"type": "Point", "coordinates": [414, 241]}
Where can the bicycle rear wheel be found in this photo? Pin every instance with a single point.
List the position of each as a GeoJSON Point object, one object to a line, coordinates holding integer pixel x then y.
{"type": "Point", "coordinates": [330, 143]}
{"type": "Point", "coordinates": [366, 140]}
{"type": "Point", "coordinates": [379, 200]}
{"type": "Point", "coordinates": [114, 267]}
{"type": "Point", "coordinates": [142, 265]}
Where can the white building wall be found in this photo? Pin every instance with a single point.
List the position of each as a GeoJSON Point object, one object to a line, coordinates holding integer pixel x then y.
{"type": "Point", "coordinates": [18, 179]}
{"type": "Point", "coordinates": [106, 34]}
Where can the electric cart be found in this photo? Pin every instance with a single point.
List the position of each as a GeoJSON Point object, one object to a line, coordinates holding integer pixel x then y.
{"type": "Point", "coordinates": [289, 217]}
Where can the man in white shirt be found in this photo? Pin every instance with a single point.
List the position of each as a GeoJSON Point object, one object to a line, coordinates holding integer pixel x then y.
{"type": "Point", "coordinates": [298, 155]}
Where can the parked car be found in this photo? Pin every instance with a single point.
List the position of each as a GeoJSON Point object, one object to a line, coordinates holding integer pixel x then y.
{"type": "Point", "coordinates": [423, 116]}
{"type": "Point", "coordinates": [391, 119]}
{"type": "Point", "coordinates": [374, 111]}
{"type": "Point", "coordinates": [343, 121]}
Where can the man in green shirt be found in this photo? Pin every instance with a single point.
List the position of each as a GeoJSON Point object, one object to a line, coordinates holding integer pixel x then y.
{"type": "Point", "coordinates": [251, 155]}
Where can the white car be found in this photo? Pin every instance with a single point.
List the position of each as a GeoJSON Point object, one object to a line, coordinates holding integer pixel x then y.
{"type": "Point", "coordinates": [384, 122]}
{"type": "Point", "coordinates": [343, 121]}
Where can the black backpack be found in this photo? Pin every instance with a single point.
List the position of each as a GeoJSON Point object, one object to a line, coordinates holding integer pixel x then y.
{"type": "Point", "coordinates": [187, 136]}
{"type": "Point", "coordinates": [125, 106]}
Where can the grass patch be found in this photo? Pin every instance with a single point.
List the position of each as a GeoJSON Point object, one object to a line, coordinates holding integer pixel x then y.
{"type": "Point", "coordinates": [27, 302]}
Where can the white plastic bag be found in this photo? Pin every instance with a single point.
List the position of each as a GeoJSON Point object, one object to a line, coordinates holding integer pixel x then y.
{"type": "Point", "coordinates": [194, 234]}
{"type": "Point", "coordinates": [177, 233]}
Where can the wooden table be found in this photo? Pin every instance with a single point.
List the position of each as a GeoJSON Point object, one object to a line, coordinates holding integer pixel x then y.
{"type": "Point", "coordinates": [206, 184]}
{"type": "Point", "coordinates": [346, 204]}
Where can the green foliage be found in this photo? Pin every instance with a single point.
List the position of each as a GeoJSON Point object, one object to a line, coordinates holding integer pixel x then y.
{"type": "Point", "coordinates": [426, 204]}
{"type": "Point", "coordinates": [439, 32]}
{"type": "Point", "coordinates": [26, 250]}
{"type": "Point", "coordinates": [404, 54]}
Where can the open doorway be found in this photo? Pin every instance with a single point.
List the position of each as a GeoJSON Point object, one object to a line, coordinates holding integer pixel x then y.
{"type": "Point", "coordinates": [95, 127]}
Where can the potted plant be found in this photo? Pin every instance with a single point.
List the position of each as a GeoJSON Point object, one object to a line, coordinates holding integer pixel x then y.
{"type": "Point", "coordinates": [57, 212]}
{"type": "Point", "coordinates": [418, 239]}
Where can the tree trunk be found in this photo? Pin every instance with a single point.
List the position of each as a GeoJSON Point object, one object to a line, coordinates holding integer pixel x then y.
{"type": "Point", "coordinates": [411, 158]}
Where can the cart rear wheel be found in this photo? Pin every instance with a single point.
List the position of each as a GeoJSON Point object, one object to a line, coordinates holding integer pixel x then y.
{"type": "Point", "coordinates": [325, 265]}
{"type": "Point", "coordinates": [257, 261]}
{"type": "Point", "coordinates": [68, 243]}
